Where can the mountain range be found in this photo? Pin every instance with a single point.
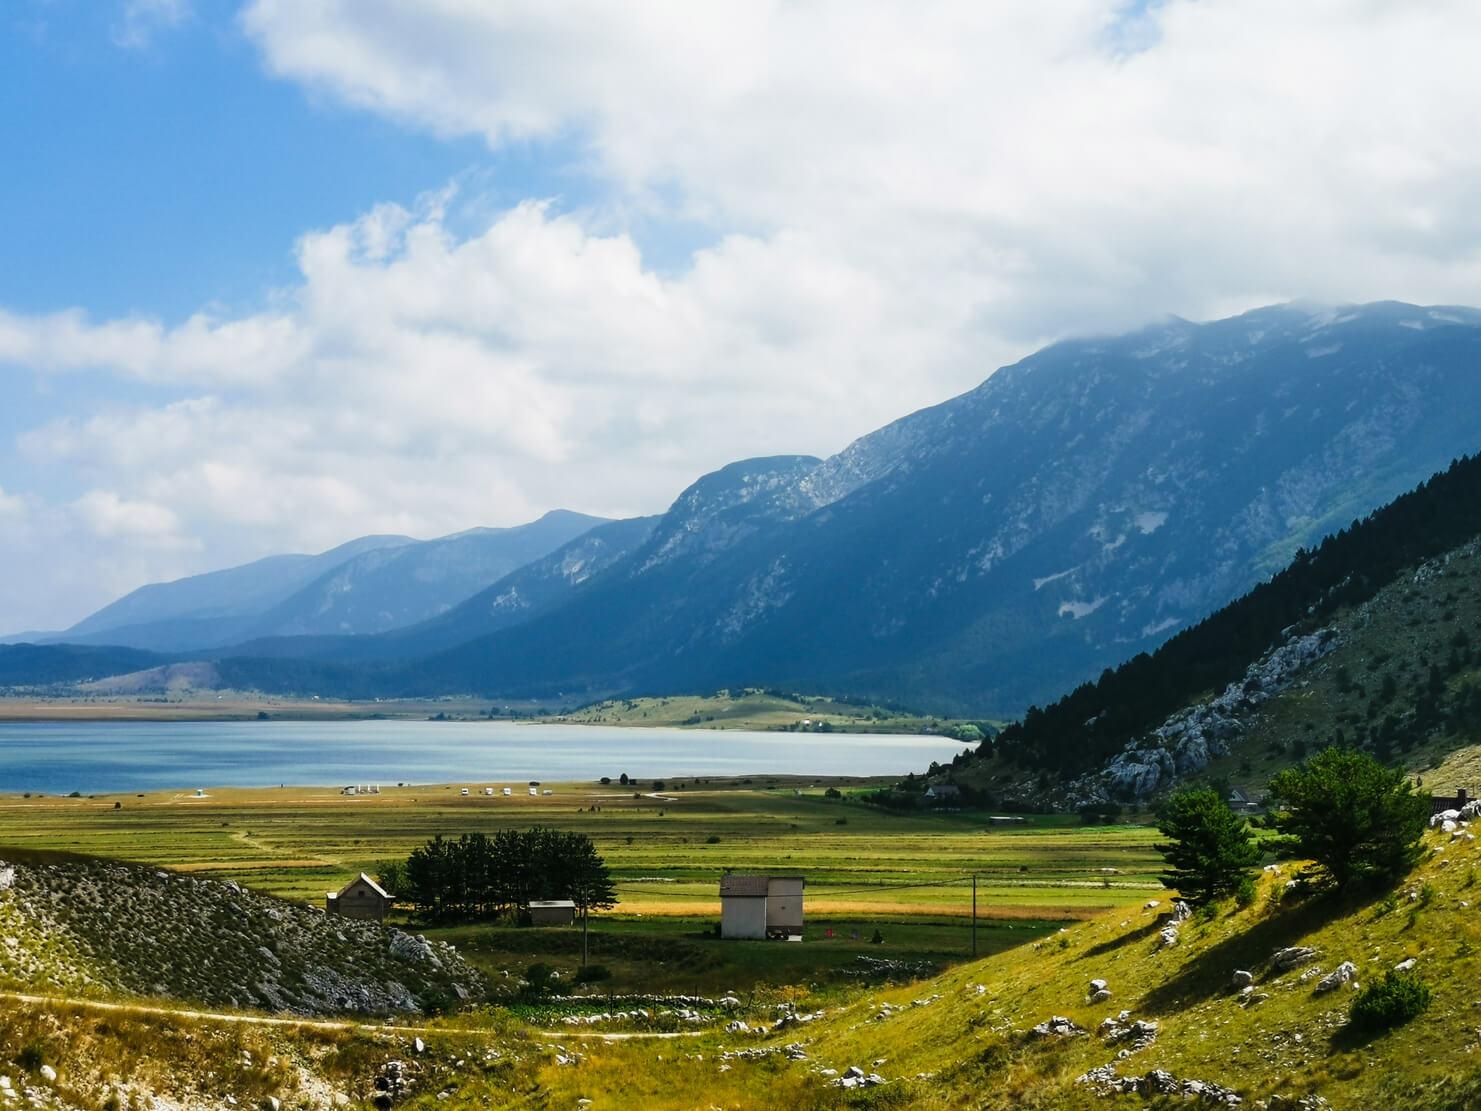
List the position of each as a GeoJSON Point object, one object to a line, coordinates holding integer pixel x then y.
{"type": "Point", "coordinates": [365, 586]}
{"type": "Point", "coordinates": [1077, 508]}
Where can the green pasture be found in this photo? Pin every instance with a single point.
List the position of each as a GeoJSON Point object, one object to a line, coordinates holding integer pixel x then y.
{"type": "Point", "coordinates": [907, 875]}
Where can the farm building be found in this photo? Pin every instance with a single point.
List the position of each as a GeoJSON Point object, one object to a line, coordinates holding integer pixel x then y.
{"type": "Point", "coordinates": [943, 792]}
{"type": "Point", "coordinates": [362, 897]}
{"type": "Point", "coordinates": [552, 912]}
{"type": "Point", "coordinates": [760, 906]}
{"type": "Point", "coordinates": [1450, 802]}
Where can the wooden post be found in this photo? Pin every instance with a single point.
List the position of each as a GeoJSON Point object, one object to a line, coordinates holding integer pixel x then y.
{"type": "Point", "coordinates": [974, 915]}
{"type": "Point", "coordinates": [583, 937]}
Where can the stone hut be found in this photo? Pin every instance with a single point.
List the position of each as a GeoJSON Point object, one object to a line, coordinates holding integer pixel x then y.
{"type": "Point", "coordinates": [362, 897]}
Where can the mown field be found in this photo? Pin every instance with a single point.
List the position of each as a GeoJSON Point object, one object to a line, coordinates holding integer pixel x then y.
{"type": "Point", "coordinates": [905, 875]}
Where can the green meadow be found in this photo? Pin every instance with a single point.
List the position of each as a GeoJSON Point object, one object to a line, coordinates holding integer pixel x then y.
{"type": "Point", "coordinates": [906, 876]}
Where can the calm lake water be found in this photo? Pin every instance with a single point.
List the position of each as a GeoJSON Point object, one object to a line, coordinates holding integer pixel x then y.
{"type": "Point", "coordinates": [100, 757]}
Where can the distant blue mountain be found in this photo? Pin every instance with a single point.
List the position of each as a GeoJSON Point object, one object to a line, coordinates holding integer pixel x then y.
{"type": "Point", "coordinates": [368, 585]}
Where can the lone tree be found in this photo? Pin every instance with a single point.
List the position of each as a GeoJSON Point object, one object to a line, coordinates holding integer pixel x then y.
{"type": "Point", "coordinates": [1209, 847]}
{"type": "Point", "coordinates": [1357, 819]}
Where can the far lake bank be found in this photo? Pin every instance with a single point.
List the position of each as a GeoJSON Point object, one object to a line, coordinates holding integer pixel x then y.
{"type": "Point", "coordinates": [97, 757]}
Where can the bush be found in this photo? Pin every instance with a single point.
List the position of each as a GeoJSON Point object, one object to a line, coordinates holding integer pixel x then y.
{"type": "Point", "coordinates": [591, 973]}
{"type": "Point", "coordinates": [1244, 894]}
{"type": "Point", "coordinates": [1391, 1002]}
{"type": "Point", "coordinates": [712, 839]}
{"type": "Point", "coordinates": [539, 979]}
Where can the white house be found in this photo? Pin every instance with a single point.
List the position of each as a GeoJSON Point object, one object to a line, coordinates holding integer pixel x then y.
{"type": "Point", "coordinates": [760, 906]}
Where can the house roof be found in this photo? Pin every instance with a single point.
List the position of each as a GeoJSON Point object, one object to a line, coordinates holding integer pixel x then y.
{"type": "Point", "coordinates": [551, 903]}
{"type": "Point", "coordinates": [377, 888]}
{"type": "Point", "coordinates": [734, 886]}
{"type": "Point", "coordinates": [743, 887]}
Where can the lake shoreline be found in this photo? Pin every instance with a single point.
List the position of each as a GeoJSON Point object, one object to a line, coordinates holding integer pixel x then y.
{"type": "Point", "coordinates": [100, 757]}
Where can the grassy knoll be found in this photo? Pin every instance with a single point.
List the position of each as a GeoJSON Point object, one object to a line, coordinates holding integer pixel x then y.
{"type": "Point", "coordinates": [754, 709]}
{"type": "Point", "coordinates": [904, 874]}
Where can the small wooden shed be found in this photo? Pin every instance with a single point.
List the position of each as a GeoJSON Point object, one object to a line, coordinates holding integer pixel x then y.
{"type": "Point", "coordinates": [552, 912]}
{"type": "Point", "coordinates": [362, 897]}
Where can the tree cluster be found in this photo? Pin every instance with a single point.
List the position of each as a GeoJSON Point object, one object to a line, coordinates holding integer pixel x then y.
{"type": "Point", "coordinates": [480, 877]}
{"type": "Point", "coordinates": [1355, 819]}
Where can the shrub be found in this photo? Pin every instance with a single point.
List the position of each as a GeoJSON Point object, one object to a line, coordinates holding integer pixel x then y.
{"type": "Point", "coordinates": [712, 839]}
{"type": "Point", "coordinates": [1244, 894]}
{"type": "Point", "coordinates": [1391, 1002]}
{"type": "Point", "coordinates": [591, 973]}
{"type": "Point", "coordinates": [539, 979]}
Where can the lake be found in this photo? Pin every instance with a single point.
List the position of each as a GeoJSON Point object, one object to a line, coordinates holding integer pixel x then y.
{"type": "Point", "coordinates": [103, 757]}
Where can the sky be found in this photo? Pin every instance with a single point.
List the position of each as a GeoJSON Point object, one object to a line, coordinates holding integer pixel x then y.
{"type": "Point", "coordinates": [278, 273]}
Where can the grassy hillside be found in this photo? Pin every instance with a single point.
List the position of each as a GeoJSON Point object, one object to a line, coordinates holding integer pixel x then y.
{"type": "Point", "coordinates": [962, 1039]}
{"type": "Point", "coordinates": [752, 708]}
{"type": "Point", "coordinates": [1404, 682]}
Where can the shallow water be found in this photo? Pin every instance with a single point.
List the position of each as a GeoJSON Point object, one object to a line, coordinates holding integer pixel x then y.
{"type": "Point", "coordinates": [99, 757]}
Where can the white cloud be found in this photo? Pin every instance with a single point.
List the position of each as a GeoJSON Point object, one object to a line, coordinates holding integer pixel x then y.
{"type": "Point", "coordinates": [147, 523]}
{"type": "Point", "coordinates": [141, 20]}
{"type": "Point", "coordinates": [12, 507]}
{"type": "Point", "coordinates": [898, 199]}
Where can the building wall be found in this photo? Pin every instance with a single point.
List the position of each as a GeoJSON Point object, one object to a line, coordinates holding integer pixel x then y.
{"type": "Point", "coordinates": [552, 916]}
{"type": "Point", "coordinates": [359, 901]}
{"type": "Point", "coordinates": [743, 917]}
{"type": "Point", "coordinates": [784, 905]}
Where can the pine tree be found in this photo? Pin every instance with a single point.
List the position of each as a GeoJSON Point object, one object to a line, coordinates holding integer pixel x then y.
{"type": "Point", "coordinates": [1355, 818]}
{"type": "Point", "coordinates": [1210, 848]}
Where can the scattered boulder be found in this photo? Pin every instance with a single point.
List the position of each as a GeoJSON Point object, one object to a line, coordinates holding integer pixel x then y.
{"type": "Point", "coordinates": [1407, 965]}
{"type": "Point", "coordinates": [1340, 975]}
{"type": "Point", "coordinates": [1057, 1026]}
{"type": "Point", "coordinates": [1167, 937]}
{"type": "Point", "coordinates": [1242, 978]}
{"type": "Point", "coordinates": [1293, 956]}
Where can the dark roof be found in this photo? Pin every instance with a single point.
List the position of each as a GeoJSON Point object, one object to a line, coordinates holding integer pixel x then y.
{"type": "Point", "coordinates": [743, 887]}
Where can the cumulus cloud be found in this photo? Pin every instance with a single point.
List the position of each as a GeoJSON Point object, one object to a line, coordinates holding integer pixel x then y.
{"type": "Point", "coordinates": [892, 201]}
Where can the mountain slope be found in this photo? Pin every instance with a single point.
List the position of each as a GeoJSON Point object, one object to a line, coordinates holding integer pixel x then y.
{"type": "Point", "coordinates": [366, 586]}
{"type": "Point", "coordinates": [540, 585]}
{"type": "Point", "coordinates": [1364, 640]}
{"type": "Point", "coordinates": [1078, 507]}
{"type": "Point", "coordinates": [214, 608]}
{"type": "Point", "coordinates": [389, 588]}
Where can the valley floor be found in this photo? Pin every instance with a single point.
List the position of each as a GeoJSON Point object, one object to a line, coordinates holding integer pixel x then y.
{"type": "Point", "coordinates": [689, 1021]}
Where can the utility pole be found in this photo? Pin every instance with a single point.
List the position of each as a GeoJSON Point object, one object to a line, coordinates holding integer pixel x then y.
{"type": "Point", "coordinates": [974, 915]}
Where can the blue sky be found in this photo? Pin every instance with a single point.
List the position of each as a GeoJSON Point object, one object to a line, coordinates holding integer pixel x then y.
{"type": "Point", "coordinates": [277, 273]}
